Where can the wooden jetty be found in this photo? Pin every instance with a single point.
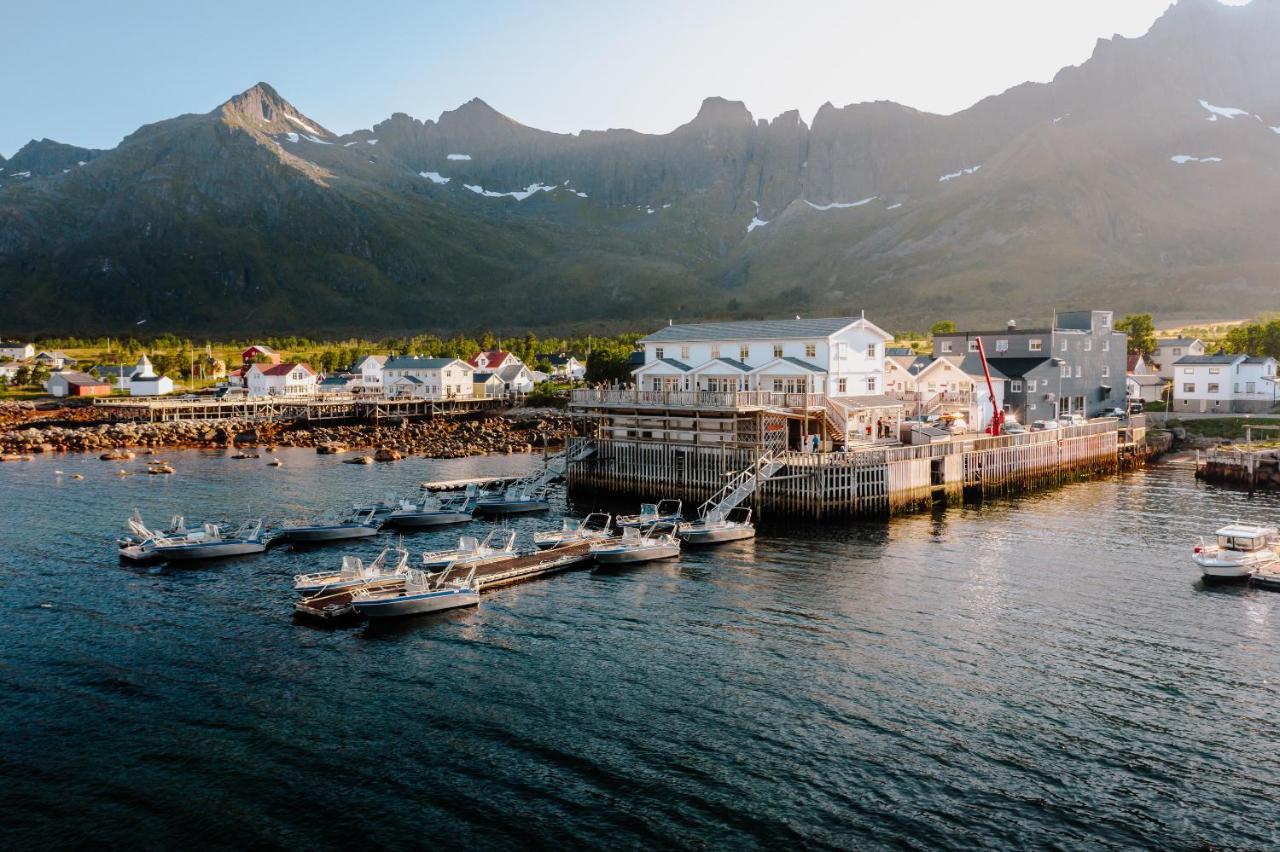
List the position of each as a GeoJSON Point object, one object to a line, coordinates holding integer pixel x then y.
{"type": "Point", "coordinates": [321, 408]}
{"type": "Point", "coordinates": [1248, 466]}
{"type": "Point", "coordinates": [655, 447]}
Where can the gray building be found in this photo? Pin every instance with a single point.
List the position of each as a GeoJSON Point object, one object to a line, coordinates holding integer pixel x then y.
{"type": "Point", "coordinates": [1075, 365]}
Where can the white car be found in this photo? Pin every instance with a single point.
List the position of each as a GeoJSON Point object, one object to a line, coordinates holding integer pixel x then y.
{"type": "Point", "coordinates": [1072, 419]}
{"type": "Point", "coordinates": [1044, 425]}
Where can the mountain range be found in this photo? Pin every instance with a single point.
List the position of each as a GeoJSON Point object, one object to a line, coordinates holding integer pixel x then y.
{"type": "Point", "coordinates": [1146, 178]}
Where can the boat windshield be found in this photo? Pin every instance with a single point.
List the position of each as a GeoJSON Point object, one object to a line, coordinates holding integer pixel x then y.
{"type": "Point", "coordinates": [1237, 542]}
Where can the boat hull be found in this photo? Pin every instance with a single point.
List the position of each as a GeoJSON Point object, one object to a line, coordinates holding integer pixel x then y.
{"type": "Point", "coordinates": [623, 523]}
{"type": "Point", "coordinates": [415, 604]}
{"type": "Point", "coordinates": [139, 553]}
{"type": "Point", "coordinates": [637, 555]}
{"type": "Point", "coordinates": [513, 507]}
{"type": "Point", "coordinates": [428, 519]}
{"type": "Point", "coordinates": [311, 535]}
{"type": "Point", "coordinates": [338, 585]}
{"type": "Point", "coordinates": [716, 535]}
{"type": "Point", "coordinates": [216, 550]}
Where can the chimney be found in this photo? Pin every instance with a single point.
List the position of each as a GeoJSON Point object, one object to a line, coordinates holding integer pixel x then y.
{"type": "Point", "coordinates": [1013, 325]}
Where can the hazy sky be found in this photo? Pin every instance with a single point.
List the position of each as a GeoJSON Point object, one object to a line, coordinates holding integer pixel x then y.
{"type": "Point", "coordinates": [89, 72]}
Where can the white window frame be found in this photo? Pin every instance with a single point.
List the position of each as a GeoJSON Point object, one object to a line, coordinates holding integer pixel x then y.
{"type": "Point", "coordinates": [1035, 344]}
{"type": "Point", "coordinates": [1002, 345]}
{"type": "Point", "coordinates": [777, 350]}
{"type": "Point", "coordinates": [1015, 386]}
{"type": "Point", "coordinates": [973, 345]}
{"type": "Point", "coordinates": [1088, 344]}
{"type": "Point", "coordinates": [811, 350]}
{"type": "Point", "coordinates": [944, 346]}
{"type": "Point", "coordinates": [1106, 371]}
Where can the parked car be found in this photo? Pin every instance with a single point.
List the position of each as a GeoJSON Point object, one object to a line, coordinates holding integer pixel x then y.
{"type": "Point", "coordinates": [1044, 425]}
{"type": "Point", "coordinates": [1013, 427]}
{"type": "Point", "coordinates": [1118, 413]}
{"type": "Point", "coordinates": [1072, 419]}
{"type": "Point", "coordinates": [1137, 406]}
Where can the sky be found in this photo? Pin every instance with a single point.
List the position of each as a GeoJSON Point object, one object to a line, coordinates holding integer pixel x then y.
{"type": "Point", "coordinates": [88, 72]}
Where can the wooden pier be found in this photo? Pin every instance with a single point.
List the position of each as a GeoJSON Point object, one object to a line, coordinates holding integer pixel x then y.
{"type": "Point", "coordinates": [861, 483]}
{"type": "Point", "coordinates": [309, 409]}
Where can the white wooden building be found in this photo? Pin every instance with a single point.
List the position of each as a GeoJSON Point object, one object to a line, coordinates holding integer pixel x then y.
{"type": "Point", "coordinates": [428, 378]}
{"type": "Point", "coordinates": [144, 381]}
{"type": "Point", "coordinates": [1224, 383]}
{"type": "Point", "coordinates": [952, 384]}
{"type": "Point", "coordinates": [368, 374]}
{"type": "Point", "coordinates": [287, 379]}
{"type": "Point", "coordinates": [1169, 350]}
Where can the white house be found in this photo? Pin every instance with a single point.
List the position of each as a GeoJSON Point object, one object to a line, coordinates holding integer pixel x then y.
{"type": "Point", "coordinates": [565, 366]}
{"type": "Point", "coordinates": [840, 356]}
{"type": "Point", "coordinates": [493, 360]}
{"type": "Point", "coordinates": [287, 379]}
{"type": "Point", "coordinates": [368, 374]}
{"type": "Point", "coordinates": [1141, 380]}
{"type": "Point", "coordinates": [1224, 383]}
{"type": "Point", "coordinates": [516, 378]}
{"type": "Point", "coordinates": [429, 378]}
{"type": "Point", "coordinates": [56, 360]}
{"type": "Point", "coordinates": [952, 383]}
{"type": "Point", "coordinates": [143, 381]}
{"type": "Point", "coordinates": [16, 351]}
{"type": "Point", "coordinates": [9, 369]}
{"type": "Point", "coordinates": [1169, 350]}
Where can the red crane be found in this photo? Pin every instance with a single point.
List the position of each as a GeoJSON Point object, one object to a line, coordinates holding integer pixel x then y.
{"type": "Point", "coordinates": [997, 416]}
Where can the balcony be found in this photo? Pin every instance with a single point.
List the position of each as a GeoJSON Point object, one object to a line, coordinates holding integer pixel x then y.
{"type": "Point", "coordinates": [699, 400]}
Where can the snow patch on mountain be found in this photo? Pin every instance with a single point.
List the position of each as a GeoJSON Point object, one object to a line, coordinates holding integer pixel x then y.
{"type": "Point", "coordinates": [953, 175]}
{"type": "Point", "coordinates": [841, 205]}
{"type": "Point", "coordinates": [518, 195]}
{"type": "Point", "coordinates": [1183, 159]}
{"type": "Point", "coordinates": [894, 206]}
{"type": "Point", "coordinates": [458, 157]}
{"type": "Point", "coordinates": [300, 123]}
{"type": "Point", "coordinates": [293, 137]}
{"type": "Point", "coordinates": [311, 138]}
{"type": "Point", "coordinates": [435, 177]}
{"type": "Point", "coordinates": [1224, 112]}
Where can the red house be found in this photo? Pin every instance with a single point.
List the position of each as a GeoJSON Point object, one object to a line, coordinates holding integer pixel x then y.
{"type": "Point", "coordinates": [259, 351]}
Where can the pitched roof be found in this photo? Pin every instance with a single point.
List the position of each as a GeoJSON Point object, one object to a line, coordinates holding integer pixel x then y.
{"type": "Point", "coordinates": [970, 364]}
{"type": "Point", "coordinates": [670, 362]}
{"type": "Point", "coordinates": [1015, 368]}
{"type": "Point", "coordinates": [380, 360]}
{"type": "Point", "coordinates": [1202, 360]}
{"type": "Point", "coordinates": [1176, 341]}
{"type": "Point", "coordinates": [261, 347]}
{"type": "Point", "coordinates": [74, 377]}
{"type": "Point", "coordinates": [417, 362]}
{"type": "Point", "coordinates": [1146, 379]}
{"type": "Point", "coordinates": [283, 369]}
{"type": "Point", "coordinates": [730, 362]}
{"type": "Point", "coordinates": [1132, 363]}
{"type": "Point", "coordinates": [751, 330]}
{"type": "Point", "coordinates": [898, 351]}
{"type": "Point", "coordinates": [413, 380]}
{"type": "Point", "coordinates": [481, 377]}
{"type": "Point", "coordinates": [491, 356]}
{"type": "Point", "coordinates": [913, 364]}
{"type": "Point", "coordinates": [1257, 359]}
{"type": "Point", "coordinates": [813, 368]}
{"type": "Point", "coordinates": [511, 371]}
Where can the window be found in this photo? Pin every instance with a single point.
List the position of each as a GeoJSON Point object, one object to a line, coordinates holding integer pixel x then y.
{"type": "Point", "coordinates": [1106, 371]}
{"type": "Point", "coordinates": [1031, 385]}
{"type": "Point", "coordinates": [1079, 371]}
{"type": "Point", "coordinates": [1104, 320]}
{"type": "Point", "coordinates": [1213, 387]}
{"type": "Point", "coordinates": [744, 352]}
{"type": "Point", "coordinates": [1064, 345]}
{"type": "Point", "coordinates": [1187, 371]}
{"type": "Point", "coordinates": [777, 385]}
{"type": "Point", "coordinates": [1213, 371]}
{"type": "Point", "coordinates": [842, 385]}
{"type": "Point", "coordinates": [1035, 344]}
{"type": "Point", "coordinates": [684, 353]}
{"type": "Point", "coordinates": [659, 353]}
{"type": "Point", "coordinates": [871, 383]}
{"type": "Point", "coordinates": [811, 350]}
{"type": "Point", "coordinates": [777, 350]}
{"type": "Point", "coordinates": [1088, 344]}
{"type": "Point", "coordinates": [1002, 345]}
{"type": "Point", "coordinates": [1106, 346]}
{"type": "Point", "coordinates": [657, 384]}
{"type": "Point", "coordinates": [871, 350]}
{"type": "Point", "coordinates": [715, 352]}
{"type": "Point", "coordinates": [1066, 371]}
{"type": "Point", "coordinates": [1015, 386]}
{"type": "Point", "coordinates": [945, 346]}
{"type": "Point", "coordinates": [1188, 387]}
{"type": "Point", "coordinates": [973, 345]}
{"type": "Point", "coordinates": [1177, 350]}
{"type": "Point", "coordinates": [1249, 387]}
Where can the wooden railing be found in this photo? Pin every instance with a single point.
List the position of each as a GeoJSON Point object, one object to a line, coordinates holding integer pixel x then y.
{"type": "Point", "coordinates": [696, 399]}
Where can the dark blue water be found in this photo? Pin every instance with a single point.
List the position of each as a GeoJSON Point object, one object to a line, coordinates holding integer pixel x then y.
{"type": "Point", "coordinates": [1038, 673]}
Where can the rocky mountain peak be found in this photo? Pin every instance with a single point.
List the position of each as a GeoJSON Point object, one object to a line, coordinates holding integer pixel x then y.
{"type": "Point", "coordinates": [261, 108]}
{"type": "Point", "coordinates": [717, 111]}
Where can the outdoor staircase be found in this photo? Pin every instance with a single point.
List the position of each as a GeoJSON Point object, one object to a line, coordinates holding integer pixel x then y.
{"type": "Point", "coordinates": [836, 418]}
{"type": "Point", "coordinates": [740, 487]}
{"type": "Point", "coordinates": [556, 466]}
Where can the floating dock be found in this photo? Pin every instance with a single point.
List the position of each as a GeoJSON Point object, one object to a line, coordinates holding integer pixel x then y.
{"type": "Point", "coordinates": [317, 409]}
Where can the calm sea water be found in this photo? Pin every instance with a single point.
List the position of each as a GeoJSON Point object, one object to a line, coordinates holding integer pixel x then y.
{"type": "Point", "coordinates": [1043, 672]}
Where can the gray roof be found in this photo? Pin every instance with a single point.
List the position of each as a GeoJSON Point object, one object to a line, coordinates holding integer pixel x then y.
{"type": "Point", "coordinates": [751, 330]}
{"type": "Point", "coordinates": [1176, 341]}
{"type": "Point", "coordinates": [910, 362]}
{"type": "Point", "coordinates": [731, 362]}
{"type": "Point", "coordinates": [481, 377]}
{"type": "Point", "coordinates": [411, 379]}
{"type": "Point", "coordinates": [510, 372]}
{"type": "Point", "coordinates": [1146, 379]}
{"type": "Point", "coordinates": [805, 365]}
{"type": "Point", "coordinates": [414, 362]}
{"type": "Point", "coordinates": [1016, 368]}
{"type": "Point", "coordinates": [1200, 360]}
{"type": "Point", "coordinates": [1257, 359]}
{"type": "Point", "coordinates": [672, 362]}
{"type": "Point", "coordinates": [971, 364]}
{"type": "Point", "coordinates": [898, 350]}
{"type": "Point", "coordinates": [77, 378]}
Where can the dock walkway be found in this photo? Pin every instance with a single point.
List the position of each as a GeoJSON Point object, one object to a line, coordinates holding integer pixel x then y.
{"type": "Point", "coordinates": [311, 409]}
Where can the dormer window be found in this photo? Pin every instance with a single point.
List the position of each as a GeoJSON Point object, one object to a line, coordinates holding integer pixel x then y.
{"type": "Point", "coordinates": [811, 350]}
{"type": "Point", "coordinates": [684, 353]}
{"type": "Point", "coordinates": [715, 352]}
{"type": "Point", "coordinates": [659, 353]}
{"type": "Point", "coordinates": [744, 352]}
{"type": "Point", "coordinates": [871, 350]}
{"type": "Point", "coordinates": [777, 350]}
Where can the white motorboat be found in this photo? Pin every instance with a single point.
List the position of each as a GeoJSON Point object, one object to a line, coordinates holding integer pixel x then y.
{"type": "Point", "coordinates": [141, 545]}
{"type": "Point", "coordinates": [248, 538]}
{"type": "Point", "coordinates": [354, 573]}
{"type": "Point", "coordinates": [380, 508]}
{"type": "Point", "coordinates": [664, 512]}
{"type": "Point", "coordinates": [594, 527]}
{"type": "Point", "coordinates": [515, 500]}
{"type": "Point", "coordinates": [498, 544]}
{"type": "Point", "coordinates": [355, 525]}
{"type": "Point", "coordinates": [421, 593]}
{"type": "Point", "coordinates": [1267, 576]}
{"type": "Point", "coordinates": [431, 510]}
{"type": "Point", "coordinates": [636, 546]}
{"type": "Point", "coordinates": [1240, 549]}
{"type": "Point", "coordinates": [718, 530]}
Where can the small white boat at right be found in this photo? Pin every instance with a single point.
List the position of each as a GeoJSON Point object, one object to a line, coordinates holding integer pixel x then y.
{"type": "Point", "coordinates": [1239, 550]}
{"type": "Point", "coordinates": [716, 530]}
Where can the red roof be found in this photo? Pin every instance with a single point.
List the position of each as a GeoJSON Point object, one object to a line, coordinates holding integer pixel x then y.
{"type": "Point", "coordinates": [283, 369]}
{"type": "Point", "coordinates": [493, 357]}
{"type": "Point", "coordinates": [1133, 361]}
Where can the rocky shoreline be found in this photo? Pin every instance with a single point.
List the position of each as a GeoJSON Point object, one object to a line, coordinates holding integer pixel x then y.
{"type": "Point", "coordinates": [442, 438]}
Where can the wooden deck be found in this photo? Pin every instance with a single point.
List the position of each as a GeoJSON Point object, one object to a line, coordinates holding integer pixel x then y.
{"type": "Point", "coordinates": [310, 409]}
